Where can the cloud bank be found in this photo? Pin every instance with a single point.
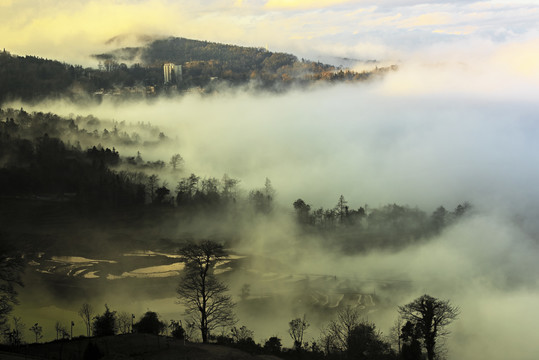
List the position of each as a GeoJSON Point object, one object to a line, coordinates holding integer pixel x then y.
{"type": "Point", "coordinates": [387, 30]}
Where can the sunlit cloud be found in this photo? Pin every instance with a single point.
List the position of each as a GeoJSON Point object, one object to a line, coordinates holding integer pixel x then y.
{"type": "Point", "coordinates": [71, 31]}
{"type": "Point", "coordinates": [466, 30]}
{"type": "Point", "coordinates": [304, 4]}
{"type": "Point", "coordinates": [428, 19]}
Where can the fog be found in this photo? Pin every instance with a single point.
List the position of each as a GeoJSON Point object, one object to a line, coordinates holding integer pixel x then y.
{"type": "Point", "coordinates": [438, 132]}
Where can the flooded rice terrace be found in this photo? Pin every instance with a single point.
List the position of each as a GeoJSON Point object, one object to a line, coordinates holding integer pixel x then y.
{"type": "Point", "coordinates": [139, 281]}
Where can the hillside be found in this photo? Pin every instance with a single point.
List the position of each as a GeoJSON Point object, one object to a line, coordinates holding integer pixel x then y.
{"type": "Point", "coordinates": [134, 346]}
{"type": "Point", "coordinates": [138, 72]}
{"type": "Point", "coordinates": [204, 61]}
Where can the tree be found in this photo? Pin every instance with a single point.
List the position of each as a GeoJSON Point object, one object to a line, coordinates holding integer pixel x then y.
{"type": "Point", "coordinates": [241, 334]}
{"type": "Point", "coordinates": [11, 266]}
{"type": "Point", "coordinates": [296, 329]}
{"type": "Point", "coordinates": [365, 343]}
{"type": "Point", "coordinates": [176, 161]}
{"type": "Point", "coordinates": [37, 330]}
{"type": "Point", "coordinates": [124, 322]}
{"type": "Point", "coordinates": [341, 209]}
{"type": "Point", "coordinates": [150, 324]}
{"type": "Point", "coordinates": [356, 338]}
{"type": "Point", "coordinates": [273, 345]}
{"type": "Point", "coordinates": [177, 329]}
{"type": "Point", "coordinates": [410, 335]}
{"type": "Point", "coordinates": [85, 312]}
{"type": "Point", "coordinates": [431, 316]}
{"type": "Point", "coordinates": [61, 330]}
{"type": "Point", "coordinates": [203, 295]}
{"type": "Point", "coordinates": [14, 336]}
{"type": "Point", "coordinates": [105, 325]}
{"type": "Point", "coordinates": [339, 330]}
{"type": "Point", "coordinates": [395, 334]}
{"type": "Point", "coordinates": [152, 185]}
{"type": "Point", "coordinates": [302, 211]}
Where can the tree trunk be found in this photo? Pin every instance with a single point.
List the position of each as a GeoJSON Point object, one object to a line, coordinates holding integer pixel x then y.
{"type": "Point", "coordinates": [429, 344]}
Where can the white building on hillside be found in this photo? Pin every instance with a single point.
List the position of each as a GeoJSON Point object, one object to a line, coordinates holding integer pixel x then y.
{"type": "Point", "coordinates": [172, 73]}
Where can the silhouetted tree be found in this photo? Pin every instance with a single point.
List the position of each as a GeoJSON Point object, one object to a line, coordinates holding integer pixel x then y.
{"type": "Point", "coordinates": [161, 195]}
{"type": "Point", "coordinates": [243, 339]}
{"type": "Point", "coordinates": [105, 325]}
{"type": "Point", "coordinates": [37, 330]}
{"type": "Point", "coordinates": [150, 324]}
{"type": "Point", "coordinates": [11, 267]}
{"type": "Point", "coordinates": [365, 343]}
{"type": "Point", "coordinates": [341, 209]}
{"type": "Point", "coordinates": [177, 330]}
{"type": "Point", "coordinates": [273, 345]}
{"type": "Point", "coordinates": [241, 334]}
{"type": "Point", "coordinates": [203, 295]}
{"type": "Point", "coordinates": [14, 335]}
{"type": "Point", "coordinates": [296, 330]}
{"type": "Point", "coordinates": [431, 316]}
{"type": "Point", "coordinates": [61, 331]}
{"type": "Point", "coordinates": [124, 322]}
{"type": "Point", "coordinates": [411, 344]}
{"type": "Point", "coordinates": [339, 330]}
{"type": "Point", "coordinates": [85, 312]}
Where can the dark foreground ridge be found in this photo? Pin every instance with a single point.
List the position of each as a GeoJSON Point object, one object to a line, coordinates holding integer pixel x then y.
{"type": "Point", "coordinates": [128, 346]}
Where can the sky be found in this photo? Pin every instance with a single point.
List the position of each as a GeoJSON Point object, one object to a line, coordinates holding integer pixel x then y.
{"type": "Point", "coordinates": [361, 29]}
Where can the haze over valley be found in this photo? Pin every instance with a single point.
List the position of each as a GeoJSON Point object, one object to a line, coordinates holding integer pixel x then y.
{"type": "Point", "coordinates": [334, 171]}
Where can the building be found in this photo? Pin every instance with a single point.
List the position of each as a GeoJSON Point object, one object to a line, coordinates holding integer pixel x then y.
{"type": "Point", "coordinates": [172, 73]}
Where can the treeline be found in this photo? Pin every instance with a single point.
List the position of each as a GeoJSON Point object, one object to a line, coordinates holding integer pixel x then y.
{"type": "Point", "coordinates": [204, 66]}
{"type": "Point", "coordinates": [31, 78]}
{"type": "Point", "coordinates": [365, 228]}
{"type": "Point", "coordinates": [79, 131]}
{"type": "Point", "coordinates": [37, 163]}
{"type": "Point", "coordinates": [204, 61]}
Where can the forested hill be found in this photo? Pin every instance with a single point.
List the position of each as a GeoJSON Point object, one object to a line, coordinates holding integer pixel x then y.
{"type": "Point", "coordinates": [203, 61]}
{"type": "Point", "coordinates": [138, 72]}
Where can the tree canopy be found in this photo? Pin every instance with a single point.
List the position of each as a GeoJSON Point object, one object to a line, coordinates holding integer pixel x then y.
{"type": "Point", "coordinates": [430, 316]}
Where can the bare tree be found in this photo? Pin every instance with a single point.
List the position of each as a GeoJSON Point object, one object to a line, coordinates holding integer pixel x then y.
{"type": "Point", "coordinates": [14, 336]}
{"type": "Point", "coordinates": [431, 315]}
{"type": "Point", "coordinates": [395, 334]}
{"type": "Point", "coordinates": [203, 295]}
{"type": "Point", "coordinates": [37, 330]}
{"type": "Point", "coordinates": [339, 330]}
{"type": "Point", "coordinates": [85, 312]}
{"type": "Point", "coordinates": [296, 330]}
{"type": "Point", "coordinates": [124, 322]}
{"type": "Point", "coordinates": [58, 328]}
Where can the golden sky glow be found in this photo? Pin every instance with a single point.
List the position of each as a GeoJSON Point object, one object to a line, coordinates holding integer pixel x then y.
{"type": "Point", "coordinates": [304, 4]}
{"type": "Point", "coordinates": [71, 30]}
